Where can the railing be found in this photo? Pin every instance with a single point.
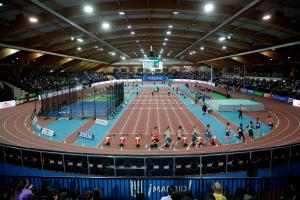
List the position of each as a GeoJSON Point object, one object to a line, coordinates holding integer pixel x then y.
{"type": "Point", "coordinates": [155, 188]}
{"type": "Point", "coordinates": [287, 158]}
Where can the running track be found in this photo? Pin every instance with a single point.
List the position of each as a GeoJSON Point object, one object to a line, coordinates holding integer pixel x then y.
{"type": "Point", "coordinates": [15, 128]}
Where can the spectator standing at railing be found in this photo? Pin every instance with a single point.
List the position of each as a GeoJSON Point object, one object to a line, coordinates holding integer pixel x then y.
{"type": "Point", "coordinates": [25, 190]}
{"type": "Point", "coordinates": [217, 187]}
{"type": "Point", "coordinates": [171, 190]}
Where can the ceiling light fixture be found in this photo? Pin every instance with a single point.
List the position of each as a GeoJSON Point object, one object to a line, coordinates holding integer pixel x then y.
{"type": "Point", "coordinates": [137, 41]}
{"type": "Point", "coordinates": [105, 25]}
{"type": "Point", "coordinates": [166, 39]}
{"type": "Point", "coordinates": [170, 26]}
{"type": "Point", "coordinates": [79, 40]}
{"type": "Point", "coordinates": [132, 32]}
{"type": "Point", "coordinates": [33, 19]}
{"type": "Point", "coordinates": [129, 26]}
{"type": "Point", "coordinates": [88, 9]}
{"type": "Point", "coordinates": [1, 4]}
{"type": "Point", "coordinates": [209, 7]}
{"type": "Point", "coordinates": [168, 32]}
{"type": "Point", "coordinates": [266, 17]}
{"type": "Point", "coordinates": [224, 47]}
{"type": "Point", "coordinates": [164, 44]}
{"type": "Point", "coordinates": [175, 12]}
{"type": "Point", "coordinates": [222, 38]}
{"type": "Point", "coordinates": [202, 48]}
{"type": "Point", "coordinates": [78, 48]}
{"type": "Point", "coordinates": [121, 13]}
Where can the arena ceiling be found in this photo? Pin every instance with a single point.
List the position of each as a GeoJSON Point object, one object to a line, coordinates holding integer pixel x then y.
{"type": "Point", "coordinates": [87, 35]}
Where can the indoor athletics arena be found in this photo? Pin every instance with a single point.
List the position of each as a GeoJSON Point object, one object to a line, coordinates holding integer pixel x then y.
{"type": "Point", "coordinates": [149, 99]}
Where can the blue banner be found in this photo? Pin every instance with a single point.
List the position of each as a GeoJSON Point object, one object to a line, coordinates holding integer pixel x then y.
{"type": "Point", "coordinates": [38, 128]}
{"type": "Point", "coordinates": [86, 135]}
{"type": "Point", "coordinates": [243, 90]}
{"type": "Point", "coordinates": [280, 98]}
{"type": "Point", "coordinates": [155, 78]}
{"type": "Point", "coordinates": [251, 92]}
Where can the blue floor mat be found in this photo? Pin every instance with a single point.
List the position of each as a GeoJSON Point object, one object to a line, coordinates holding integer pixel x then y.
{"type": "Point", "coordinates": [63, 128]}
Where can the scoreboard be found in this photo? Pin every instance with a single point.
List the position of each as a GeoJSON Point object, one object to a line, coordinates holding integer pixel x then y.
{"type": "Point", "coordinates": [152, 64]}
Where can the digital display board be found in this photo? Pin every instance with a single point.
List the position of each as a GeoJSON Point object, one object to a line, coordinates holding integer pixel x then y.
{"type": "Point", "coordinates": [152, 64]}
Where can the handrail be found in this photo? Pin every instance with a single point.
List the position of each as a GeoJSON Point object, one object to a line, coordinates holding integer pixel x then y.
{"type": "Point", "coordinates": [148, 156]}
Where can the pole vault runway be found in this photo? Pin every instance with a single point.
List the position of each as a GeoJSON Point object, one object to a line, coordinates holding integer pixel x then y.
{"type": "Point", "coordinates": [140, 117]}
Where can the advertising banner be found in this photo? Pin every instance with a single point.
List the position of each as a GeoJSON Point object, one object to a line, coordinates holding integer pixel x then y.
{"type": "Point", "coordinates": [296, 103]}
{"type": "Point", "coordinates": [48, 132]}
{"type": "Point", "coordinates": [86, 135]}
{"type": "Point", "coordinates": [194, 81]}
{"type": "Point", "coordinates": [251, 92]}
{"type": "Point", "coordinates": [155, 78]}
{"type": "Point", "coordinates": [280, 98]}
{"type": "Point", "coordinates": [7, 104]}
{"type": "Point", "coordinates": [267, 95]}
{"type": "Point", "coordinates": [38, 128]}
{"type": "Point", "coordinates": [257, 93]}
{"type": "Point", "coordinates": [290, 100]}
{"type": "Point", "coordinates": [243, 90]}
{"type": "Point", "coordinates": [116, 81]}
{"type": "Point", "coordinates": [101, 121]}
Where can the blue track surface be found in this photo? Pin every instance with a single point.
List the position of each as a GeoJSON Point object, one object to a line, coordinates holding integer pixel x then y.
{"type": "Point", "coordinates": [63, 128]}
{"type": "Point", "coordinates": [101, 131]}
{"type": "Point", "coordinates": [218, 128]}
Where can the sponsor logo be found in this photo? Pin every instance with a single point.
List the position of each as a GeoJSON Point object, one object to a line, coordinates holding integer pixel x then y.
{"type": "Point", "coordinates": [7, 104]}
{"type": "Point", "coordinates": [48, 132]}
{"type": "Point", "coordinates": [296, 103]}
{"type": "Point", "coordinates": [101, 121]}
{"type": "Point", "coordinates": [86, 135]}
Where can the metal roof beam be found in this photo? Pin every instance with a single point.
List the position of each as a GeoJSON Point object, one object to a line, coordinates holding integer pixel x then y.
{"type": "Point", "coordinates": [48, 53]}
{"type": "Point", "coordinates": [254, 51]}
{"type": "Point", "coordinates": [228, 21]}
{"type": "Point", "coordinates": [53, 12]}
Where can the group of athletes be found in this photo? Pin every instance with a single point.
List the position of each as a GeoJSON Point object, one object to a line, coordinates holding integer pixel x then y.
{"type": "Point", "coordinates": [196, 140]}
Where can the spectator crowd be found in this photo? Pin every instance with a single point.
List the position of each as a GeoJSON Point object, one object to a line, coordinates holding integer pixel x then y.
{"type": "Point", "coordinates": [31, 82]}
{"type": "Point", "coordinates": [284, 87]}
